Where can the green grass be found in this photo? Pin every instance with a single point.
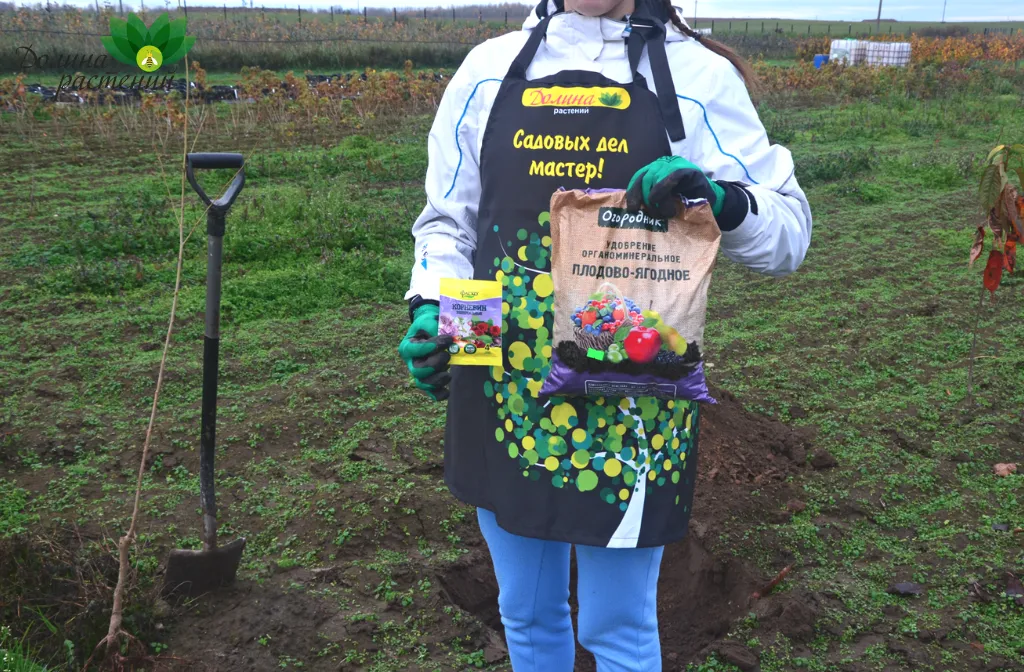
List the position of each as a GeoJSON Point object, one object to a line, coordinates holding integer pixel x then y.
{"type": "Point", "coordinates": [329, 458]}
{"type": "Point", "coordinates": [14, 656]}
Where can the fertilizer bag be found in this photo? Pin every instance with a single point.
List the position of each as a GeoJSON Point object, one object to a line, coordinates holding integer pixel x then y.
{"type": "Point", "coordinates": [630, 297]}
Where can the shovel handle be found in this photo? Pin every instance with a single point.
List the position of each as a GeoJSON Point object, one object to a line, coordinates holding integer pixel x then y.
{"type": "Point", "coordinates": [214, 160]}
{"type": "Point", "coordinates": [216, 209]}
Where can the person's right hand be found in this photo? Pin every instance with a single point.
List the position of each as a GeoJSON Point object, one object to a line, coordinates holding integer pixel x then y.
{"type": "Point", "coordinates": [426, 354]}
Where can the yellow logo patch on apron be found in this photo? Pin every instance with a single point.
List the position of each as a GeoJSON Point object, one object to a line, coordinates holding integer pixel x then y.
{"type": "Point", "coordinates": [577, 96]}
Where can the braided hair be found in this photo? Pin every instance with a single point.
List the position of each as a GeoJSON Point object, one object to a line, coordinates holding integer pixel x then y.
{"type": "Point", "coordinates": [713, 45]}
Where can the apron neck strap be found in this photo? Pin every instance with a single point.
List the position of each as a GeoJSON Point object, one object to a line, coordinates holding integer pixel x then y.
{"type": "Point", "coordinates": [518, 68]}
{"type": "Point", "coordinates": [650, 31]}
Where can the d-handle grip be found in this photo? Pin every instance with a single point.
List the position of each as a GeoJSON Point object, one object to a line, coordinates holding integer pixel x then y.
{"type": "Point", "coordinates": [211, 161]}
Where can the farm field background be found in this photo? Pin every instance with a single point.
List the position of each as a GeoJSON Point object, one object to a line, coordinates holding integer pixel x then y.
{"type": "Point", "coordinates": [34, 42]}
{"type": "Point", "coordinates": [844, 444]}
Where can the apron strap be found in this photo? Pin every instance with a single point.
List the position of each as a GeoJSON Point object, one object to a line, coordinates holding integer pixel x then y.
{"type": "Point", "coordinates": [542, 8]}
{"type": "Point", "coordinates": [518, 68]}
{"type": "Point", "coordinates": [650, 31]}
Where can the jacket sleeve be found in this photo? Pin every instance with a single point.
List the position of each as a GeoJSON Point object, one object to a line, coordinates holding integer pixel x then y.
{"type": "Point", "coordinates": [445, 231]}
{"type": "Point", "coordinates": [733, 146]}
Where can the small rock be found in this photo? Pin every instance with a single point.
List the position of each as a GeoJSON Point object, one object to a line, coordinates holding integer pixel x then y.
{"type": "Point", "coordinates": [797, 412]}
{"type": "Point", "coordinates": [1000, 527]}
{"type": "Point", "coordinates": [148, 347]}
{"type": "Point", "coordinates": [823, 460]}
{"type": "Point", "coordinates": [905, 589]}
{"type": "Point", "coordinates": [779, 517]}
{"type": "Point", "coordinates": [963, 457]}
{"type": "Point", "coordinates": [796, 506]}
{"type": "Point", "coordinates": [1004, 470]}
{"type": "Point", "coordinates": [170, 462]}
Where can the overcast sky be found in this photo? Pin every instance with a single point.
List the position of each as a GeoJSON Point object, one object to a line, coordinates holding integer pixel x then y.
{"type": "Point", "coordinates": [849, 10]}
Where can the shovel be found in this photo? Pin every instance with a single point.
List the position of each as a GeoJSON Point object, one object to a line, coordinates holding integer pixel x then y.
{"type": "Point", "coordinates": [196, 572]}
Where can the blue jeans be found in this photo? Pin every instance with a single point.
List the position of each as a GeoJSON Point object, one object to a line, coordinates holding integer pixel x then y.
{"type": "Point", "coordinates": [617, 593]}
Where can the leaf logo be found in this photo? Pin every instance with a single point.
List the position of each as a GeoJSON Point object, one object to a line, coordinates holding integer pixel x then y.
{"type": "Point", "coordinates": [132, 43]}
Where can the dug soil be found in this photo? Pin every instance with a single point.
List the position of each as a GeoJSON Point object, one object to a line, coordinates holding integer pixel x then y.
{"type": "Point", "coordinates": [745, 461]}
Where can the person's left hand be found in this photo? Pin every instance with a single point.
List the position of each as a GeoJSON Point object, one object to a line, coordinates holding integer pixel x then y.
{"type": "Point", "coordinates": [657, 185]}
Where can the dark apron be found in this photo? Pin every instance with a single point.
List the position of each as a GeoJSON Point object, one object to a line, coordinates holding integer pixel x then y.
{"type": "Point", "coordinates": [590, 471]}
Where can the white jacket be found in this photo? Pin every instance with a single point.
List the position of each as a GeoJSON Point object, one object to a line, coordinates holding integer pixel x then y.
{"type": "Point", "coordinates": [723, 136]}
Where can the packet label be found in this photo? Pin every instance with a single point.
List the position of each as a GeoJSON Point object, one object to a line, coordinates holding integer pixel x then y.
{"type": "Point", "coordinates": [470, 312]}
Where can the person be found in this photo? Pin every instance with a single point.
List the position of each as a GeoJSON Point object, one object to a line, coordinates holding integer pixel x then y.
{"type": "Point", "coordinates": [618, 94]}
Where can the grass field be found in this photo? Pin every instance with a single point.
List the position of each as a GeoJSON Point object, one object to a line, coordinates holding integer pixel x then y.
{"type": "Point", "coordinates": [330, 463]}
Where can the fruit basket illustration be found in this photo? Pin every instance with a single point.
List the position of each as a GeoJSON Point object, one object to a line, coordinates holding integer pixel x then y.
{"type": "Point", "coordinates": [613, 329]}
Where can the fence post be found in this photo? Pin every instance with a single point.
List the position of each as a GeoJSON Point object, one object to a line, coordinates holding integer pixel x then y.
{"type": "Point", "coordinates": [225, 13]}
{"type": "Point", "coordinates": [332, 13]}
{"type": "Point", "coordinates": [453, 15]}
{"type": "Point", "coordinates": [829, 31]}
{"type": "Point", "coordinates": [184, 5]}
{"type": "Point", "coordinates": [808, 29]}
{"type": "Point", "coordinates": [850, 32]}
{"type": "Point", "coordinates": [299, 7]}
{"type": "Point", "coordinates": [120, 6]}
{"type": "Point", "coordinates": [712, 26]}
{"type": "Point", "coordinates": [762, 27]}
{"type": "Point", "coordinates": [364, 15]}
{"type": "Point", "coordinates": [730, 26]}
{"type": "Point", "coordinates": [395, 10]}
{"type": "Point", "coordinates": [748, 27]}
{"type": "Point", "coordinates": [506, 19]}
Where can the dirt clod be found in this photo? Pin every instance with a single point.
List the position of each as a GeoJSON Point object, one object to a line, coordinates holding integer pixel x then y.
{"type": "Point", "coordinates": [796, 506]}
{"type": "Point", "coordinates": [738, 655]}
{"type": "Point", "coordinates": [823, 460]}
{"type": "Point", "coordinates": [905, 589]}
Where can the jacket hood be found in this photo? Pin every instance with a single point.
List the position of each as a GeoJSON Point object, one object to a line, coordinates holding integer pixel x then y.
{"type": "Point", "coordinates": [673, 33]}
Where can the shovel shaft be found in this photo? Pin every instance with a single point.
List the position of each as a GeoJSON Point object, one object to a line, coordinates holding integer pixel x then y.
{"type": "Point", "coordinates": [211, 356]}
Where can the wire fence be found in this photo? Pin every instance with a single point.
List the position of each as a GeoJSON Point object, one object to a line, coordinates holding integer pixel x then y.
{"type": "Point", "coordinates": [510, 13]}
{"type": "Point", "coordinates": [318, 40]}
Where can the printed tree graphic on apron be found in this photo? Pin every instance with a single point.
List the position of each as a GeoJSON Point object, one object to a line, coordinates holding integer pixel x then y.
{"type": "Point", "coordinates": [623, 452]}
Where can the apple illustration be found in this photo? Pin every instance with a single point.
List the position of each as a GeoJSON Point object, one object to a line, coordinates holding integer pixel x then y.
{"type": "Point", "coordinates": [642, 344]}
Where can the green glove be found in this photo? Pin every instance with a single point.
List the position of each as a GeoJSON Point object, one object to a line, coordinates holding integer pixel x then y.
{"type": "Point", "coordinates": [426, 353]}
{"type": "Point", "coordinates": [657, 185]}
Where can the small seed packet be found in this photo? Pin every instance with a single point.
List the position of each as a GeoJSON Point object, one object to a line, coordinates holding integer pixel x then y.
{"type": "Point", "coordinates": [471, 314]}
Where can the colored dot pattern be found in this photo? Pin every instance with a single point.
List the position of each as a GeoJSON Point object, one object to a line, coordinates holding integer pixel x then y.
{"type": "Point", "coordinates": [611, 447]}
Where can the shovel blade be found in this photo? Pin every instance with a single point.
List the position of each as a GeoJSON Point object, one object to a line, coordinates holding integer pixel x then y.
{"type": "Point", "coordinates": [193, 573]}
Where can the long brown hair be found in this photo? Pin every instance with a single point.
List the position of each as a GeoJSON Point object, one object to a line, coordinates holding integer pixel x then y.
{"type": "Point", "coordinates": [714, 45]}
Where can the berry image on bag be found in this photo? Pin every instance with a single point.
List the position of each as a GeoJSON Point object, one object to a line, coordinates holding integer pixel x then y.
{"type": "Point", "coordinates": [630, 297]}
